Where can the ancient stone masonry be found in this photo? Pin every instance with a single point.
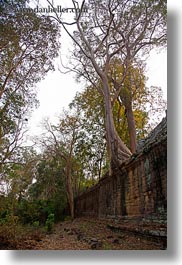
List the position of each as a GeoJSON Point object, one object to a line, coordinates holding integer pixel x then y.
{"type": "Point", "coordinates": [138, 189]}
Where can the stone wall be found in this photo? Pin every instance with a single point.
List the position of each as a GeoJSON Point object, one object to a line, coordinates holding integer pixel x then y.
{"type": "Point", "coordinates": [139, 188]}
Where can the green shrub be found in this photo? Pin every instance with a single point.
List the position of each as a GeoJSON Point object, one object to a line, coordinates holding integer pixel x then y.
{"type": "Point", "coordinates": [50, 222]}
{"type": "Point", "coordinates": [36, 224]}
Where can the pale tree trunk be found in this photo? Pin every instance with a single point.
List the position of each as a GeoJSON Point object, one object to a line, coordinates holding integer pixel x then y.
{"type": "Point", "coordinates": [117, 150]}
{"type": "Point", "coordinates": [131, 127]}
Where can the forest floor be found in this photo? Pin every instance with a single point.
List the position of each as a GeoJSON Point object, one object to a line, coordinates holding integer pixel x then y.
{"type": "Point", "coordinates": [87, 234]}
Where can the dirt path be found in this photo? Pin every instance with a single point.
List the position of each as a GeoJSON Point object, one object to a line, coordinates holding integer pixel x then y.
{"type": "Point", "coordinates": [90, 234]}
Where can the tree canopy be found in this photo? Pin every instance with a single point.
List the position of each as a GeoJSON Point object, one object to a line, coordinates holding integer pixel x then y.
{"type": "Point", "coordinates": [28, 46]}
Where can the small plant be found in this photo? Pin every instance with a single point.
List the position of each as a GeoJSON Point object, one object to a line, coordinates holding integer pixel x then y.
{"type": "Point", "coordinates": [50, 222]}
{"type": "Point", "coordinates": [36, 224]}
{"type": "Point", "coordinates": [107, 246]}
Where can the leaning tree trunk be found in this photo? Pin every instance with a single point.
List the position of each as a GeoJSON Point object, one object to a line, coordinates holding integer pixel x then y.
{"type": "Point", "coordinates": [117, 150]}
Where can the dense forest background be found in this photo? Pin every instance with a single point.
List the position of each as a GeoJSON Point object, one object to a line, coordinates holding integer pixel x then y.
{"type": "Point", "coordinates": [38, 183]}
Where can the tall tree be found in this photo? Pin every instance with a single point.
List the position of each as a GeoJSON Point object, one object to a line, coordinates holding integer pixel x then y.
{"type": "Point", "coordinates": [145, 101]}
{"type": "Point", "coordinates": [28, 45]}
{"type": "Point", "coordinates": [113, 28]}
{"type": "Point", "coordinates": [60, 142]}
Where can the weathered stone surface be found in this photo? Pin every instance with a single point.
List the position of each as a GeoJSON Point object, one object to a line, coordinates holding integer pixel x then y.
{"type": "Point", "coordinates": [138, 189]}
{"type": "Point", "coordinates": [155, 136]}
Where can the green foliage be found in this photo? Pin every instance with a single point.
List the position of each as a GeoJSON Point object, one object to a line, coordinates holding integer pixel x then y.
{"type": "Point", "coordinates": [49, 222]}
{"type": "Point", "coordinates": [30, 212]}
{"type": "Point", "coordinates": [91, 142]}
{"type": "Point", "coordinates": [36, 224]}
{"type": "Point", "coordinates": [50, 186]}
